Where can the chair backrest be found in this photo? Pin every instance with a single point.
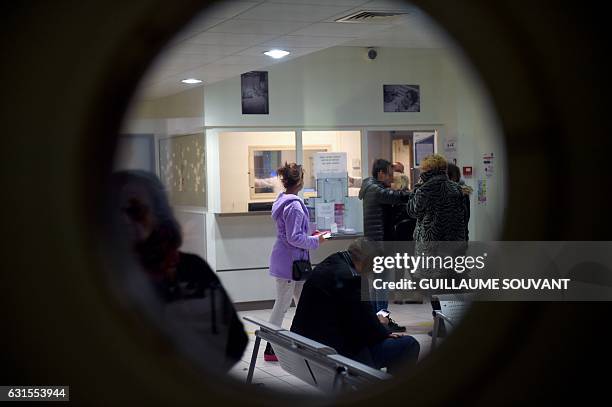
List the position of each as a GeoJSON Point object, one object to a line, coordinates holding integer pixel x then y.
{"type": "Point", "coordinates": [453, 306]}
{"type": "Point", "coordinates": [303, 358]}
{"type": "Point", "coordinates": [265, 325]}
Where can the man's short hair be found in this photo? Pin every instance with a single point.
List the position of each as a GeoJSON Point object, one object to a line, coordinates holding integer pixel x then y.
{"type": "Point", "coordinates": [380, 164]}
{"type": "Point", "coordinates": [363, 251]}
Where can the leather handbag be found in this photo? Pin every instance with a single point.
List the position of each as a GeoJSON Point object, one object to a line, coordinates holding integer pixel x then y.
{"type": "Point", "coordinates": [302, 269]}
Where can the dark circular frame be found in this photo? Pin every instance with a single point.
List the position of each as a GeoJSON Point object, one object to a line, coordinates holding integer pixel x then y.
{"type": "Point", "coordinates": [72, 68]}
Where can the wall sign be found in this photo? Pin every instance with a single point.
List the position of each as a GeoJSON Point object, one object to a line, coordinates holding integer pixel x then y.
{"type": "Point", "coordinates": [482, 191]}
{"type": "Point", "coordinates": [487, 164]}
{"type": "Point", "coordinates": [450, 150]}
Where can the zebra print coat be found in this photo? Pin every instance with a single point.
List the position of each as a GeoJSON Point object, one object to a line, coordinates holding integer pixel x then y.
{"type": "Point", "coordinates": [438, 206]}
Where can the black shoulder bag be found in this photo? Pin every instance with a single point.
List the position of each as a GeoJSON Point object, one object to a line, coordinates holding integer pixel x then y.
{"type": "Point", "coordinates": [302, 269]}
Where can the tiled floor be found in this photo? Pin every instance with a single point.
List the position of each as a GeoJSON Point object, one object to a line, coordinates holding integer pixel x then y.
{"type": "Point", "coordinates": [416, 317]}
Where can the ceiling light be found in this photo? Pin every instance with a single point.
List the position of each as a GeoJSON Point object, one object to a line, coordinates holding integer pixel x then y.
{"type": "Point", "coordinates": [276, 53]}
{"type": "Point", "coordinates": [191, 81]}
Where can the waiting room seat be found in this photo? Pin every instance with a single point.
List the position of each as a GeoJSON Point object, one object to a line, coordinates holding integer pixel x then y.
{"type": "Point", "coordinates": [354, 374]}
{"type": "Point", "coordinates": [452, 308]}
{"type": "Point", "coordinates": [315, 363]}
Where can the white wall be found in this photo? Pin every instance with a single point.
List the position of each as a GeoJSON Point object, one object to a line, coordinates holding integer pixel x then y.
{"type": "Point", "coordinates": [189, 103]}
{"type": "Point", "coordinates": [338, 86]}
{"type": "Point", "coordinates": [135, 152]}
{"type": "Point", "coordinates": [478, 133]}
{"type": "Point", "coordinates": [193, 227]}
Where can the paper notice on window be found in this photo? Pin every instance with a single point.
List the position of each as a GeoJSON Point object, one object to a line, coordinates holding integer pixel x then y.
{"type": "Point", "coordinates": [325, 214]}
{"type": "Point", "coordinates": [329, 163]}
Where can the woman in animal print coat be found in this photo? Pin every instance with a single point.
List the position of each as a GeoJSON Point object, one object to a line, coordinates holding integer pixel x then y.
{"type": "Point", "coordinates": [438, 205]}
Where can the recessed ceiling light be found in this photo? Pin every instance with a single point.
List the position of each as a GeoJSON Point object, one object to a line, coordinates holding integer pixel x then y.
{"type": "Point", "coordinates": [191, 81]}
{"type": "Point", "coordinates": [276, 53]}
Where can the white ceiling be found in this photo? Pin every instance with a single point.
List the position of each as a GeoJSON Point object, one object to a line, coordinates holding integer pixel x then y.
{"type": "Point", "coordinates": [230, 38]}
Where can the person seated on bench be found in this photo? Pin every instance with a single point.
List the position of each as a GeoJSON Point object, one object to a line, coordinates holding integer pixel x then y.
{"type": "Point", "coordinates": [331, 311]}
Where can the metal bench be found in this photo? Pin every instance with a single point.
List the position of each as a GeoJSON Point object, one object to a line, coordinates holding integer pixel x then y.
{"type": "Point", "coordinates": [315, 363]}
{"type": "Point", "coordinates": [452, 308]}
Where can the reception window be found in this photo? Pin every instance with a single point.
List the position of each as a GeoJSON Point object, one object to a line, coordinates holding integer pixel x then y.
{"type": "Point", "coordinates": [347, 142]}
{"type": "Point", "coordinates": [248, 179]}
{"type": "Point", "coordinates": [248, 161]}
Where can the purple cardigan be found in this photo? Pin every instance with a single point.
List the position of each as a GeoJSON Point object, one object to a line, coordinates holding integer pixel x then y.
{"type": "Point", "coordinates": [292, 240]}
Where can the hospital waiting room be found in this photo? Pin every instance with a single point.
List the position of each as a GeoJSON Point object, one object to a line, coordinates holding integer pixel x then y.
{"type": "Point", "coordinates": [268, 145]}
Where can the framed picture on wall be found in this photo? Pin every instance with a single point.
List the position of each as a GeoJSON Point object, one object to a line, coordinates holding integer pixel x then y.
{"type": "Point", "coordinates": [254, 87]}
{"type": "Point", "coordinates": [402, 98]}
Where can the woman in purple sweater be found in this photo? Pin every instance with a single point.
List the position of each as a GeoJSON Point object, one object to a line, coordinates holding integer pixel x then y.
{"type": "Point", "coordinates": [292, 243]}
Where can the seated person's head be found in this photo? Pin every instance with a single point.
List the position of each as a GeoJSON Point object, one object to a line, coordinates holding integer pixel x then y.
{"type": "Point", "coordinates": [362, 252]}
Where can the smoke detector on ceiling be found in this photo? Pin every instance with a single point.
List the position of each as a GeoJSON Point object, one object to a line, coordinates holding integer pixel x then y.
{"type": "Point", "coordinates": [368, 16]}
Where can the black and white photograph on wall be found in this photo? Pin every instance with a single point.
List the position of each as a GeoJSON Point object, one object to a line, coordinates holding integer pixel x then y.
{"type": "Point", "coordinates": [402, 98]}
{"type": "Point", "coordinates": [254, 86]}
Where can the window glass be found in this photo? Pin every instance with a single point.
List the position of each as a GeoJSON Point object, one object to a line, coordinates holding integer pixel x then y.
{"type": "Point", "coordinates": [248, 162]}
{"type": "Point", "coordinates": [341, 141]}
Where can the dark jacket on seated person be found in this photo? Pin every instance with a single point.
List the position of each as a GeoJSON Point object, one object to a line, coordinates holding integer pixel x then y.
{"type": "Point", "coordinates": [331, 311]}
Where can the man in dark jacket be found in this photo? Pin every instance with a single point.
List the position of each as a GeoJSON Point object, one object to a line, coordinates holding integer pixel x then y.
{"type": "Point", "coordinates": [378, 215]}
{"type": "Point", "coordinates": [378, 199]}
{"type": "Point", "coordinates": [331, 311]}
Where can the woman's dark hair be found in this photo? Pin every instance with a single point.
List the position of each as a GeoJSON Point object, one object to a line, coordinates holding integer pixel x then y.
{"type": "Point", "coordinates": [290, 174]}
{"type": "Point", "coordinates": [380, 164]}
{"type": "Point", "coordinates": [454, 174]}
